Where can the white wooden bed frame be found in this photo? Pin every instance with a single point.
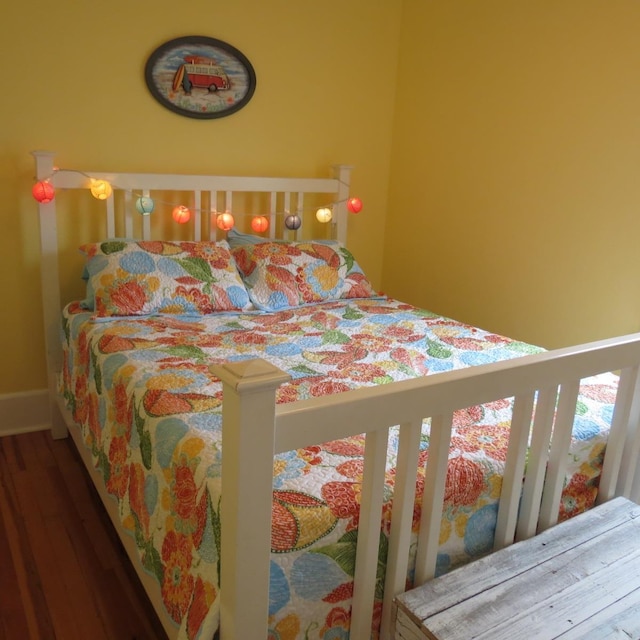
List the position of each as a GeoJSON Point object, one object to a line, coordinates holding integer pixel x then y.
{"type": "Point", "coordinates": [549, 381]}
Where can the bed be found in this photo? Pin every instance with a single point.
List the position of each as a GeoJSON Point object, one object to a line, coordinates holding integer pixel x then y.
{"type": "Point", "coordinates": [368, 445]}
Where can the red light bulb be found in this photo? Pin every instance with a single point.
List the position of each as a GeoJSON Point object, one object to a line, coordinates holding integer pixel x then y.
{"type": "Point", "coordinates": [43, 191]}
{"type": "Point", "coordinates": [354, 205]}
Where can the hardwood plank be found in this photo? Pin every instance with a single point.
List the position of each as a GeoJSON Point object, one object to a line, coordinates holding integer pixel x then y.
{"type": "Point", "coordinates": [41, 449]}
{"type": "Point", "coordinates": [24, 581]}
{"type": "Point", "coordinates": [106, 542]}
{"type": "Point", "coordinates": [87, 616]}
{"type": "Point", "coordinates": [12, 614]}
{"type": "Point", "coordinates": [102, 564]}
{"type": "Point", "coordinates": [10, 454]}
{"type": "Point", "coordinates": [63, 572]}
{"type": "Point", "coordinates": [52, 576]}
{"type": "Point", "coordinates": [85, 502]}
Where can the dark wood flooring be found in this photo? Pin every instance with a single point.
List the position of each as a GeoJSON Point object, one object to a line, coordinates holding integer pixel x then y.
{"type": "Point", "coordinates": [63, 572]}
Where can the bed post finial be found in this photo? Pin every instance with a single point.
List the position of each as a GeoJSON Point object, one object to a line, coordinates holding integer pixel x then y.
{"type": "Point", "coordinates": [44, 163]}
{"type": "Point", "coordinates": [248, 431]}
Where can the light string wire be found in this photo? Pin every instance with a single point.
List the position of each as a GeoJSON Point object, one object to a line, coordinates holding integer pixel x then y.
{"type": "Point", "coordinates": [139, 195]}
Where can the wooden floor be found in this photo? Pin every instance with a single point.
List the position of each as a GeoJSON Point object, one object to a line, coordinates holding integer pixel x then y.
{"type": "Point", "coordinates": [63, 572]}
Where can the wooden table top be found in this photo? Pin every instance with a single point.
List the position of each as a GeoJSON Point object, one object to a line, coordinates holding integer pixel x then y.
{"type": "Point", "coordinates": [577, 580]}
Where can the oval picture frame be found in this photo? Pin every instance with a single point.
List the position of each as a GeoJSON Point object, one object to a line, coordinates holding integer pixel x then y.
{"type": "Point", "coordinates": [200, 77]}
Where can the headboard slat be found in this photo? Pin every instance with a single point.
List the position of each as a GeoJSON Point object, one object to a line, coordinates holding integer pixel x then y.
{"type": "Point", "coordinates": [212, 228]}
{"type": "Point", "coordinates": [299, 210]}
{"type": "Point", "coordinates": [146, 219]}
{"type": "Point", "coordinates": [111, 217]}
{"type": "Point", "coordinates": [197, 216]}
{"type": "Point", "coordinates": [287, 205]}
{"type": "Point", "coordinates": [228, 201]}
{"type": "Point", "coordinates": [128, 214]}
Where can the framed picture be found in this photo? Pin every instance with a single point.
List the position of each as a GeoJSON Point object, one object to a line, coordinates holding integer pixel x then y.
{"type": "Point", "coordinates": [200, 77]}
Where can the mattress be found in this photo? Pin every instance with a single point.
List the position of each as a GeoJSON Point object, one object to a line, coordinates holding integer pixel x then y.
{"type": "Point", "coordinates": [150, 412]}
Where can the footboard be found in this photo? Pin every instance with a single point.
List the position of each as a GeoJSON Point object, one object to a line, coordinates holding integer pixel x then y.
{"type": "Point", "coordinates": [545, 390]}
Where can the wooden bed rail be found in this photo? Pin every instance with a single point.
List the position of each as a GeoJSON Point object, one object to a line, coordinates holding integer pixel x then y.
{"type": "Point", "coordinates": [545, 388]}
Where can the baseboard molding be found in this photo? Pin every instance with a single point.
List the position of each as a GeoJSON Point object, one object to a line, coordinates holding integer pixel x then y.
{"type": "Point", "coordinates": [23, 412]}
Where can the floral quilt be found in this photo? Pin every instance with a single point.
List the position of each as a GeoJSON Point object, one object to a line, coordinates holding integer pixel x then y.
{"type": "Point", "coordinates": [150, 412]}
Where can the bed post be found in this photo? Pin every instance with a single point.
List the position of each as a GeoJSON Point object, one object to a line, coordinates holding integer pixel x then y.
{"type": "Point", "coordinates": [50, 284]}
{"type": "Point", "coordinates": [248, 418]}
{"type": "Point", "coordinates": [342, 173]}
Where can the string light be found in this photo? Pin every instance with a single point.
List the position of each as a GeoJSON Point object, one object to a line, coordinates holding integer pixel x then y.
{"type": "Point", "coordinates": [324, 214]}
{"type": "Point", "coordinates": [145, 205]}
{"type": "Point", "coordinates": [181, 214]}
{"type": "Point", "coordinates": [293, 222]}
{"type": "Point", "coordinates": [44, 191]}
{"type": "Point", "coordinates": [100, 189]}
{"type": "Point", "coordinates": [225, 221]}
{"type": "Point", "coordinates": [354, 205]}
{"type": "Point", "coordinates": [259, 224]}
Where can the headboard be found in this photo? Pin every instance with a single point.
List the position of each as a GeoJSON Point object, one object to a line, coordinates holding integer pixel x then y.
{"type": "Point", "coordinates": [206, 197]}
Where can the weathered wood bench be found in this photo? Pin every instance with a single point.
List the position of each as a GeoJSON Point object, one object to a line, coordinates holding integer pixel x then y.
{"type": "Point", "coordinates": [579, 579]}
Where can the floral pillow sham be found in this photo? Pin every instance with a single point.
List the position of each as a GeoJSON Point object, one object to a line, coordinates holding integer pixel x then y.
{"type": "Point", "coordinates": [133, 278]}
{"type": "Point", "coordinates": [280, 275]}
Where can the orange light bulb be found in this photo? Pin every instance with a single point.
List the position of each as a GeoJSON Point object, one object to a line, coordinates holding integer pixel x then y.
{"type": "Point", "coordinates": [259, 224]}
{"type": "Point", "coordinates": [225, 221]}
{"type": "Point", "coordinates": [181, 214]}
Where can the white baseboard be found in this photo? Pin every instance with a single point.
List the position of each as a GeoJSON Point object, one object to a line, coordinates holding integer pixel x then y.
{"type": "Point", "coordinates": [24, 411]}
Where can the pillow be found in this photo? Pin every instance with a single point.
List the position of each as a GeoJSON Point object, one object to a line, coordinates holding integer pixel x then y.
{"type": "Point", "coordinates": [88, 302]}
{"type": "Point", "coordinates": [279, 275]}
{"type": "Point", "coordinates": [131, 278]}
{"type": "Point", "coordinates": [237, 238]}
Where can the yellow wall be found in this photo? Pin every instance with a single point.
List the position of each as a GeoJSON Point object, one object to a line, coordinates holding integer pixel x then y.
{"type": "Point", "coordinates": [509, 164]}
{"type": "Point", "coordinates": [515, 192]}
{"type": "Point", "coordinates": [73, 83]}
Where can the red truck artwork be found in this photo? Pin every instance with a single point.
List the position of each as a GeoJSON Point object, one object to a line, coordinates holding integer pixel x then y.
{"type": "Point", "coordinates": [199, 71]}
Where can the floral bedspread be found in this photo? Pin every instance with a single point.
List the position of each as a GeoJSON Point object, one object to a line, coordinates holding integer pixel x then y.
{"type": "Point", "coordinates": [150, 412]}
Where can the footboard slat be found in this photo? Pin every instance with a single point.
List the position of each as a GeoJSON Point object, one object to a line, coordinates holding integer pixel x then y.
{"type": "Point", "coordinates": [433, 498]}
{"type": "Point", "coordinates": [513, 471]}
{"type": "Point", "coordinates": [367, 551]}
{"type": "Point", "coordinates": [635, 487]}
{"type": "Point", "coordinates": [628, 482]}
{"type": "Point", "coordinates": [560, 442]}
{"type": "Point", "coordinates": [404, 495]}
{"type": "Point", "coordinates": [617, 440]}
{"type": "Point", "coordinates": [536, 463]}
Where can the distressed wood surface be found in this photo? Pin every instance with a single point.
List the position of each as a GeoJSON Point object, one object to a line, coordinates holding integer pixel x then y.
{"type": "Point", "coordinates": [578, 579]}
